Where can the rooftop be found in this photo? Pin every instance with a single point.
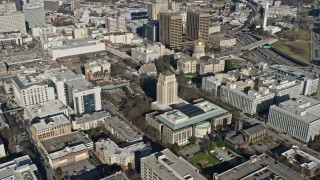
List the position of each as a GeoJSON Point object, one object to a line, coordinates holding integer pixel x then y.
{"type": "Point", "coordinates": [63, 73]}
{"type": "Point", "coordinates": [292, 71]}
{"type": "Point", "coordinates": [123, 128]}
{"type": "Point", "coordinates": [67, 150]}
{"type": "Point", "coordinates": [51, 122]}
{"type": "Point", "coordinates": [60, 142]}
{"type": "Point", "coordinates": [254, 129]}
{"type": "Point", "coordinates": [117, 176]}
{"type": "Point", "coordinates": [189, 114]}
{"type": "Point", "coordinates": [24, 82]}
{"type": "Point", "coordinates": [80, 84]}
{"type": "Point", "coordinates": [262, 165]}
{"type": "Point", "coordinates": [111, 149]}
{"type": "Point", "coordinates": [303, 107]}
{"type": "Point", "coordinates": [46, 108]}
{"type": "Point", "coordinates": [91, 117]}
{"type": "Point", "coordinates": [168, 166]}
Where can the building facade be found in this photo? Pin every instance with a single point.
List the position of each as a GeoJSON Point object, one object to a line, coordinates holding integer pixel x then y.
{"type": "Point", "coordinates": [34, 15]}
{"type": "Point", "coordinates": [116, 24]}
{"type": "Point", "coordinates": [167, 89]}
{"type": "Point", "coordinates": [170, 29]}
{"type": "Point", "coordinates": [13, 22]}
{"type": "Point", "coordinates": [197, 25]}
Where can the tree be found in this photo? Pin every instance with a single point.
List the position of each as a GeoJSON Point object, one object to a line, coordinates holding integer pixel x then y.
{"type": "Point", "coordinates": [192, 139]}
{"type": "Point", "coordinates": [209, 146]}
{"type": "Point", "coordinates": [175, 147]}
{"type": "Point", "coordinates": [228, 65]}
{"type": "Point", "coordinates": [219, 142]}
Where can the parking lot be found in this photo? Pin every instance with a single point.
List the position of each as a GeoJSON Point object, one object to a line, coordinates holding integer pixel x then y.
{"type": "Point", "coordinates": [222, 154]}
{"type": "Point", "coordinates": [81, 170]}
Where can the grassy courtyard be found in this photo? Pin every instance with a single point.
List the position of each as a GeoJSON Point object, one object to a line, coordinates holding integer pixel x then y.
{"type": "Point", "coordinates": [296, 44]}
{"type": "Point", "coordinates": [206, 160]}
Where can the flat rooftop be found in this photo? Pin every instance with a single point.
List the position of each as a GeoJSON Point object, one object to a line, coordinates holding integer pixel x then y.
{"type": "Point", "coordinates": [263, 163]}
{"type": "Point", "coordinates": [24, 82]}
{"type": "Point", "coordinates": [292, 71]}
{"type": "Point", "coordinates": [67, 151]}
{"type": "Point", "coordinates": [190, 114]}
{"type": "Point", "coordinates": [90, 117]}
{"type": "Point", "coordinates": [63, 73]}
{"type": "Point", "coordinates": [111, 149]}
{"type": "Point", "coordinates": [80, 84]}
{"type": "Point", "coordinates": [60, 142]}
{"type": "Point", "coordinates": [117, 176]}
{"type": "Point", "coordinates": [123, 128]}
{"type": "Point", "coordinates": [160, 161]}
{"type": "Point", "coordinates": [46, 108]}
{"type": "Point", "coordinates": [307, 109]}
{"type": "Point", "coordinates": [51, 122]}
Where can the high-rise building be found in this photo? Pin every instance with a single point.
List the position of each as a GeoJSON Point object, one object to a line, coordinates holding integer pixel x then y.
{"type": "Point", "coordinates": [265, 16]}
{"type": "Point", "coordinates": [7, 7]}
{"type": "Point", "coordinates": [152, 31]}
{"type": "Point", "coordinates": [197, 25]}
{"type": "Point", "coordinates": [12, 22]}
{"type": "Point", "coordinates": [153, 11]}
{"type": "Point", "coordinates": [34, 15]}
{"type": "Point", "coordinates": [116, 24]}
{"type": "Point", "coordinates": [167, 89]}
{"type": "Point", "coordinates": [170, 29]}
{"type": "Point", "coordinates": [164, 5]}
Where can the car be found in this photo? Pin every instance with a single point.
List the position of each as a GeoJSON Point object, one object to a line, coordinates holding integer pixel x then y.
{"type": "Point", "coordinates": [231, 155]}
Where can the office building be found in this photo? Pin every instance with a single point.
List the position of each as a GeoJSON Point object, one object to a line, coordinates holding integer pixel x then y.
{"type": "Point", "coordinates": [303, 162]}
{"type": "Point", "coordinates": [166, 165]}
{"type": "Point", "coordinates": [80, 33]}
{"type": "Point", "coordinates": [89, 121]}
{"type": "Point", "coordinates": [2, 149]}
{"type": "Point", "coordinates": [147, 54]}
{"type": "Point", "coordinates": [19, 168]}
{"type": "Point", "coordinates": [34, 15]}
{"type": "Point", "coordinates": [297, 117]}
{"type": "Point", "coordinates": [244, 96]}
{"type": "Point", "coordinates": [116, 24]}
{"type": "Point", "coordinates": [50, 127]}
{"type": "Point", "coordinates": [221, 40]}
{"type": "Point", "coordinates": [29, 90]}
{"type": "Point", "coordinates": [187, 65]}
{"type": "Point", "coordinates": [153, 10]}
{"type": "Point", "coordinates": [151, 30]}
{"type": "Point", "coordinates": [45, 110]}
{"type": "Point", "coordinates": [13, 22]}
{"type": "Point", "coordinates": [208, 65]}
{"type": "Point", "coordinates": [7, 7]}
{"type": "Point", "coordinates": [186, 120]}
{"type": "Point", "coordinates": [211, 85]}
{"type": "Point", "coordinates": [110, 153]}
{"type": "Point", "coordinates": [170, 29]}
{"type": "Point", "coordinates": [259, 167]}
{"type": "Point", "coordinates": [197, 25]}
{"type": "Point", "coordinates": [98, 70]}
{"type": "Point", "coordinates": [121, 130]}
{"type": "Point", "coordinates": [164, 5]}
{"type": "Point", "coordinates": [167, 89]}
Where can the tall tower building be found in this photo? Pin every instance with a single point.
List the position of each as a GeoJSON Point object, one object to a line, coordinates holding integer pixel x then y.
{"type": "Point", "coordinates": [153, 11]}
{"type": "Point", "coordinates": [116, 24]}
{"type": "Point", "coordinates": [167, 89]}
{"type": "Point", "coordinates": [265, 16]}
{"type": "Point", "coordinates": [34, 15]}
{"type": "Point", "coordinates": [170, 29]}
{"type": "Point", "coordinates": [197, 22]}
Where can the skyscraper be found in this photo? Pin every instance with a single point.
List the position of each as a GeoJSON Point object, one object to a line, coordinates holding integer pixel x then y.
{"type": "Point", "coordinates": [170, 29]}
{"type": "Point", "coordinates": [153, 10]}
{"type": "Point", "coordinates": [34, 15]}
{"type": "Point", "coordinates": [197, 24]}
{"type": "Point", "coordinates": [265, 16]}
{"type": "Point", "coordinates": [167, 89]}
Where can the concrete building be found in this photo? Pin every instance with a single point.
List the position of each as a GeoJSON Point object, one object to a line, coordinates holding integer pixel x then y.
{"type": "Point", "coordinates": [148, 54]}
{"type": "Point", "coordinates": [211, 85]}
{"type": "Point", "coordinates": [305, 163]}
{"type": "Point", "coordinates": [170, 29]}
{"type": "Point", "coordinates": [153, 10]}
{"type": "Point", "coordinates": [19, 168]}
{"type": "Point", "coordinates": [197, 25]}
{"type": "Point", "coordinates": [151, 29]}
{"type": "Point", "coordinates": [298, 117]}
{"type": "Point", "coordinates": [34, 15]}
{"type": "Point", "coordinates": [97, 70]}
{"type": "Point", "coordinates": [52, 5]}
{"type": "Point", "coordinates": [116, 24]}
{"type": "Point", "coordinates": [117, 176]}
{"type": "Point", "coordinates": [76, 47]}
{"type": "Point", "coordinates": [214, 29]}
{"type": "Point", "coordinates": [89, 121]}
{"type": "Point", "coordinates": [29, 90]}
{"type": "Point", "coordinates": [50, 127]}
{"type": "Point", "coordinates": [118, 37]}
{"type": "Point", "coordinates": [167, 89]}
{"type": "Point", "coordinates": [187, 120]}
{"type": "Point", "coordinates": [187, 65]}
{"type": "Point", "coordinates": [121, 130]}
{"type": "Point", "coordinates": [208, 65]}
{"type": "Point", "coordinates": [166, 165]}
{"type": "Point", "coordinates": [253, 169]}
{"type": "Point", "coordinates": [80, 33]}
{"type": "Point", "coordinates": [222, 40]}
{"type": "Point", "coordinates": [7, 7]}
{"type": "Point", "coordinates": [243, 96]}
{"type": "Point", "coordinates": [13, 22]}
{"type": "Point", "coordinates": [2, 149]}
{"type": "Point", "coordinates": [110, 153]}
{"type": "Point", "coordinates": [199, 49]}
{"type": "Point", "coordinates": [45, 110]}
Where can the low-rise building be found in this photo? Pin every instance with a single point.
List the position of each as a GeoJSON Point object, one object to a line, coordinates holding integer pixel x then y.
{"type": "Point", "coordinates": [187, 120]}
{"type": "Point", "coordinates": [117, 176]}
{"type": "Point", "coordinates": [110, 153]}
{"type": "Point", "coordinates": [222, 40]}
{"type": "Point", "coordinates": [211, 85]}
{"type": "Point", "coordinates": [210, 65]}
{"type": "Point", "coordinates": [89, 121]}
{"type": "Point", "coordinates": [50, 127]}
{"type": "Point", "coordinates": [168, 166]}
{"type": "Point", "coordinates": [297, 117]}
{"type": "Point", "coordinates": [145, 55]}
{"type": "Point", "coordinates": [19, 168]}
{"type": "Point", "coordinates": [117, 37]}
{"type": "Point", "coordinates": [80, 33]}
{"type": "Point", "coordinates": [97, 70]}
{"type": "Point", "coordinates": [2, 149]}
{"type": "Point", "coordinates": [45, 110]}
{"type": "Point", "coordinates": [187, 65]}
{"type": "Point", "coordinates": [121, 129]}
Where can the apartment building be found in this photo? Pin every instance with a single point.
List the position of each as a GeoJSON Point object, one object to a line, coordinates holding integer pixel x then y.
{"type": "Point", "coordinates": [170, 29]}
{"type": "Point", "coordinates": [166, 165]}
{"type": "Point", "coordinates": [298, 117]}
{"type": "Point", "coordinates": [50, 127]}
{"type": "Point", "coordinates": [30, 90]}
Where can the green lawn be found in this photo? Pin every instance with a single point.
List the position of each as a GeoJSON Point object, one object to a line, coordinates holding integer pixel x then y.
{"type": "Point", "coordinates": [206, 160]}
